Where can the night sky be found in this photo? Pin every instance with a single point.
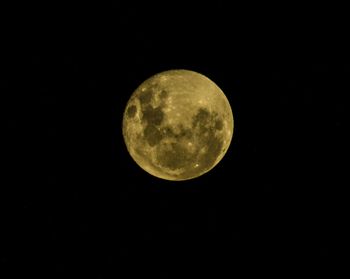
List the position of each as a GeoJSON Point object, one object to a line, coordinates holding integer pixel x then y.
{"type": "Point", "coordinates": [74, 203]}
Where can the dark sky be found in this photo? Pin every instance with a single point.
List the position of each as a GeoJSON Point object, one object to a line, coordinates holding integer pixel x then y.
{"type": "Point", "coordinates": [75, 202]}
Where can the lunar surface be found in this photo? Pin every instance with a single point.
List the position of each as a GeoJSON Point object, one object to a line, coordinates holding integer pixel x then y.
{"type": "Point", "coordinates": [177, 125]}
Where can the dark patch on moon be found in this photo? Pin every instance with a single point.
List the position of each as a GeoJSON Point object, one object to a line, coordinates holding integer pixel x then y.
{"type": "Point", "coordinates": [218, 124]}
{"type": "Point", "coordinates": [214, 146]}
{"type": "Point", "coordinates": [131, 111]}
{"type": "Point", "coordinates": [174, 157]}
{"type": "Point", "coordinates": [152, 135]}
{"type": "Point", "coordinates": [146, 96]}
{"type": "Point", "coordinates": [206, 120]}
{"type": "Point", "coordinates": [184, 132]}
{"type": "Point", "coordinates": [152, 115]}
{"type": "Point", "coordinates": [169, 132]}
{"type": "Point", "coordinates": [201, 118]}
{"type": "Point", "coordinates": [163, 94]}
{"type": "Point", "coordinates": [152, 118]}
{"type": "Point", "coordinates": [139, 151]}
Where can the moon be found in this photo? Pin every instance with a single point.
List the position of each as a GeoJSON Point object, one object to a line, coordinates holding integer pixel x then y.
{"type": "Point", "coordinates": [177, 125]}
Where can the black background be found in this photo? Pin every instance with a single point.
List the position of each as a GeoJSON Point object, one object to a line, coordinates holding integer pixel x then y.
{"type": "Point", "coordinates": [75, 203]}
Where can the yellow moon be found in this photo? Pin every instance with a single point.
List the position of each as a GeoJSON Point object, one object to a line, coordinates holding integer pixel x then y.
{"type": "Point", "coordinates": [177, 125]}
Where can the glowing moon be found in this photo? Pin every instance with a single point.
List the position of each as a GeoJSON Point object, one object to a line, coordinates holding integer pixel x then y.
{"type": "Point", "coordinates": [177, 125]}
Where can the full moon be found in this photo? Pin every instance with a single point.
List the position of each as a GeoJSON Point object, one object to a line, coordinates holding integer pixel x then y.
{"type": "Point", "coordinates": [177, 125]}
